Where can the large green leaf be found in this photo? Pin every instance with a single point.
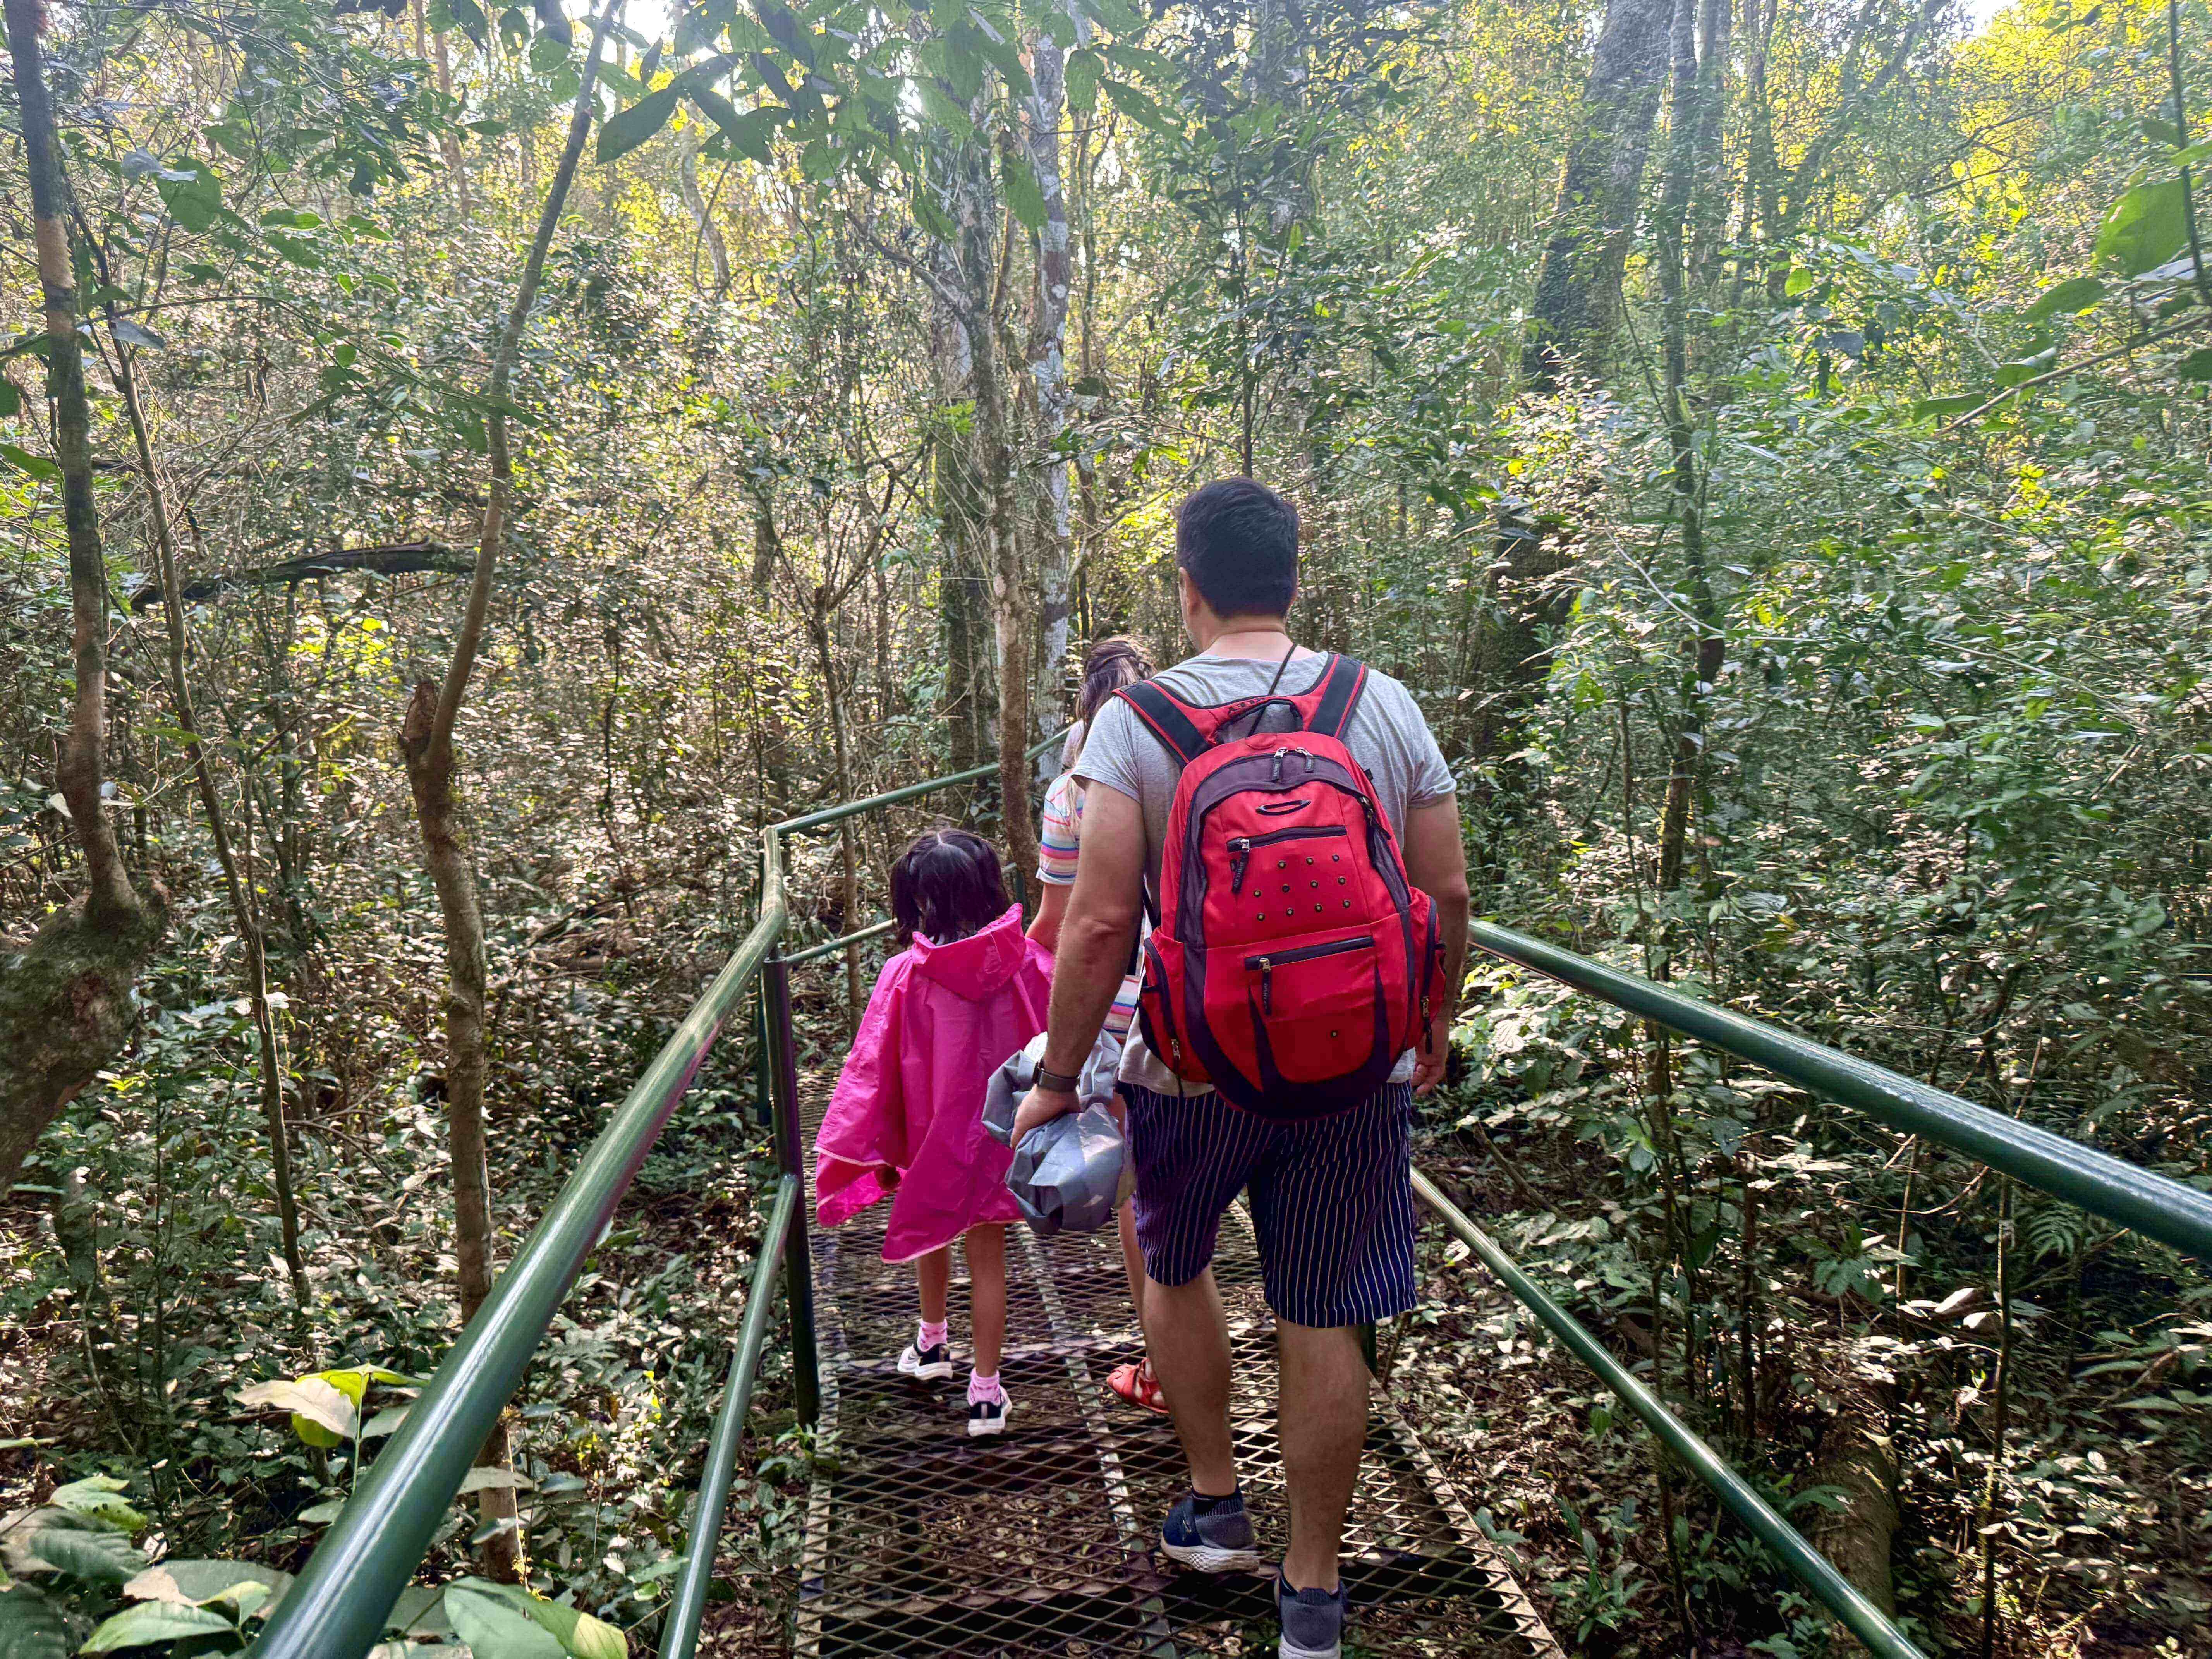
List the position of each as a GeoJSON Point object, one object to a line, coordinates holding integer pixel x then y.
{"type": "Point", "coordinates": [38, 466]}
{"type": "Point", "coordinates": [1023, 195]}
{"type": "Point", "coordinates": [547, 53]}
{"type": "Point", "coordinates": [55, 1540]}
{"type": "Point", "coordinates": [1137, 105]}
{"type": "Point", "coordinates": [156, 1621]}
{"type": "Point", "coordinates": [576, 1630]}
{"type": "Point", "coordinates": [197, 1582]}
{"type": "Point", "coordinates": [190, 191]}
{"type": "Point", "coordinates": [470, 15]}
{"type": "Point", "coordinates": [494, 1627]}
{"type": "Point", "coordinates": [2075, 294]}
{"type": "Point", "coordinates": [2026, 368]}
{"type": "Point", "coordinates": [554, 21]}
{"type": "Point", "coordinates": [634, 125]}
{"type": "Point", "coordinates": [31, 1626]}
{"type": "Point", "coordinates": [1083, 71]}
{"type": "Point", "coordinates": [324, 1412]}
{"type": "Point", "coordinates": [420, 1610]}
{"type": "Point", "coordinates": [99, 1496]}
{"type": "Point", "coordinates": [2147, 226]}
{"type": "Point", "coordinates": [749, 132]}
{"type": "Point", "coordinates": [1939, 407]}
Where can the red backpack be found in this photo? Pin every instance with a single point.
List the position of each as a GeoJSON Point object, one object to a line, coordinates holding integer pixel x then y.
{"type": "Point", "coordinates": [1292, 962]}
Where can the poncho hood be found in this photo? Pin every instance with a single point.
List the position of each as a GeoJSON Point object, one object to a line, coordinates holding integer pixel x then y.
{"type": "Point", "coordinates": [981, 964]}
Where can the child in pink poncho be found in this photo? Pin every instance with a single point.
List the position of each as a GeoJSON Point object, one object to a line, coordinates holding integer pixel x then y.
{"type": "Point", "coordinates": [906, 1118]}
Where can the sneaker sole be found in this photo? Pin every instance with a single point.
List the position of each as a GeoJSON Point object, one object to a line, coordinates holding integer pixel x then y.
{"type": "Point", "coordinates": [983, 1430]}
{"type": "Point", "coordinates": [1286, 1649]}
{"type": "Point", "coordinates": [1211, 1558]}
{"type": "Point", "coordinates": [939, 1373]}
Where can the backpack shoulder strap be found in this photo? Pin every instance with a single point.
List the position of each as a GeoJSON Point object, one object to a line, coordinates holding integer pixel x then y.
{"type": "Point", "coordinates": [1166, 720]}
{"type": "Point", "coordinates": [1341, 684]}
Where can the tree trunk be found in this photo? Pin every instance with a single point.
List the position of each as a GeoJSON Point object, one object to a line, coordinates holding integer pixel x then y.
{"type": "Point", "coordinates": [978, 215]}
{"type": "Point", "coordinates": [1676, 192]}
{"type": "Point", "coordinates": [1527, 589]}
{"type": "Point", "coordinates": [1010, 619]}
{"type": "Point", "coordinates": [771, 685]}
{"type": "Point", "coordinates": [848, 856]}
{"type": "Point", "coordinates": [688, 141]}
{"type": "Point", "coordinates": [1762, 182]}
{"type": "Point", "coordinates": [958, 497]}
{"type": "Point", "coordinates": [1577, 293]}
{"type": "Point", "coordinates": [1709, 182]}
{"type": "Point", "coordinates": [1693, 122]}
{"type": "Point", "coordinates": [1052, 401]}
{"type": "Point", "coordinates": [243, 914]}
{"type": "Point", "coordinates": [456, 167]}
{"type": "Point", "coordinates": [65, 999]}
{"type": "Point", "coordinates": [426, 744]}
{"type": "Point", "coordinates": [1856, 1458]}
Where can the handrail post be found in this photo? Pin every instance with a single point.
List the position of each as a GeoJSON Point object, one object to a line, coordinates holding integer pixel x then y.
{"type": "Point", "coordinates": [790, 1157]}
{"type": "Point", "coordinates": [764, 1091]}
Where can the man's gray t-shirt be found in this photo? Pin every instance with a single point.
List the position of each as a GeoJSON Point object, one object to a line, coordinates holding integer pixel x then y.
{"type": "Point", "coordinates": [1386, 736]}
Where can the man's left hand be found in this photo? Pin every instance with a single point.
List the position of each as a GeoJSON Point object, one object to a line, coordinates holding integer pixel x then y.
{"type": "Point", "coordinates": [1435, 1055]}
{"type": "Point", "coordinates": [1042, 1106]}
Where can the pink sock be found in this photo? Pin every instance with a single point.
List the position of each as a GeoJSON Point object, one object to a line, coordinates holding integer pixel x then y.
{"type": "Point", "coordinates": [929, 1335]}
{"type": "Point", "coordinates": [982, 1389]}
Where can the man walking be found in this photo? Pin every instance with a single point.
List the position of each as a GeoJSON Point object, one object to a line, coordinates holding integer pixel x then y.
{"type": "Point", "coordinates": [1331, 1197]}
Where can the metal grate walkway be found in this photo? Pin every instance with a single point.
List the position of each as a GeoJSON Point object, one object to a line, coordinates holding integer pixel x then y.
{"type": "Point", "coordinates": [922, 1541]}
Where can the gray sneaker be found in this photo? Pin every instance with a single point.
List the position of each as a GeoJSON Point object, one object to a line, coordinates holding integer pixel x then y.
{"type": "Point", "coordinates": [1219, 1540]}
{"type": "Point", "coordinates": [1313, 1620]}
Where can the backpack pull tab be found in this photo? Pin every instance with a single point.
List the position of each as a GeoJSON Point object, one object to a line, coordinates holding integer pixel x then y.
{"type": "Point", "coordinates": [1276, 775]}
{"type": "Point", "coordinates": [1240, 854]}
{"type": "Point", "coordinates": [1267, 985]}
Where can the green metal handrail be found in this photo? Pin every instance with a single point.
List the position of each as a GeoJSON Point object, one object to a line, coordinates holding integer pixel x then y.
{"type": "Point", "coordinates": [2160, 1207]}
{"type": "Point", "coordinates": [679, 1632]}
{"type": "Point", "coordinates": [829, 947]}
{"type": "Point", "coordinates": [2154, 1204]}
{"type": "Point", "coordinates": [1811, 1567]}
{"type": "Point", "coordinates": [336, 1608]}
{"type": "Point", "coordinates": [807, 823]}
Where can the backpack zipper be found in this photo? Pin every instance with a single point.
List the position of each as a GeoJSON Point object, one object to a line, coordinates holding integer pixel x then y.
{"type": "Point", "coordinates": [1240, 848]}
{"type": "Point", "coordinates": [1266, 965]}
{"type": "Point", "coordinates": [1276, 775]}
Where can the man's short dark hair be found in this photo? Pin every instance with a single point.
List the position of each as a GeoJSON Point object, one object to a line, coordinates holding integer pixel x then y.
{"type": "Point", "coordinates": [1239, 541]}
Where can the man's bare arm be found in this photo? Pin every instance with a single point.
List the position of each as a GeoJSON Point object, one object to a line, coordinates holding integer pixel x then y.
{"type": "Point", "coordinates": [1435, 862]}
{"type": "Point", "coordinates": [1095, 939]}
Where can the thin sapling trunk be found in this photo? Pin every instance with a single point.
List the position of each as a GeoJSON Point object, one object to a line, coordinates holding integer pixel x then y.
{"type": "Point", "coordinates": [426, 744]}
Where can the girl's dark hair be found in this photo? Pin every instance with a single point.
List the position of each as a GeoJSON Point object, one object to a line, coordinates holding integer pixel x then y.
{"type": "Point", "coordinates": [1110, 665]}
{"type": "Point", "coordinates": [946, 885]}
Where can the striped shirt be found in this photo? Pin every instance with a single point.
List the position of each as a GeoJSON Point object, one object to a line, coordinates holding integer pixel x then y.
{"type": "Point", "coordinates": [1059, 840]}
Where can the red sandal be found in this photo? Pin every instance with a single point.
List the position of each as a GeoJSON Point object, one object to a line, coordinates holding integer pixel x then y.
{"type": "Point", "coordinates": [1136, 1384]}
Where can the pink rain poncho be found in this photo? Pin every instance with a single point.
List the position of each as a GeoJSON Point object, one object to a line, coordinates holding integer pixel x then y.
{"type": "Point", "coordinates": [906, 1118]}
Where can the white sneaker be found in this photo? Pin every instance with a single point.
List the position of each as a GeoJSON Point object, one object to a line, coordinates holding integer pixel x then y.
{"type": "Point", "coordinates": [932, 1364]}
{"type": "Point", "coordinates": [989, 1416]}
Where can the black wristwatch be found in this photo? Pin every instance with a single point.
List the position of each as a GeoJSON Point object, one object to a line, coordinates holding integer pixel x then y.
{"type": "Point", "coordinates": [1059, 1082]}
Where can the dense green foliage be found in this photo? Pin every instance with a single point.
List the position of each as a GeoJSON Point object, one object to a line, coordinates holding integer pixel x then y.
{"type": "Point", "coordinates": [1920, 654]}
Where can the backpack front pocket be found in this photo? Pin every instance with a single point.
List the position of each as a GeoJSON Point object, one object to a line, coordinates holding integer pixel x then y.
{"type": "Point", "coordinates": [1313, 1006]}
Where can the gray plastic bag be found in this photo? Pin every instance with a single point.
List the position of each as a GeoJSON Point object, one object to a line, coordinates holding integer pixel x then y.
{"type": "Point", "coordinates": [1069, 1175]}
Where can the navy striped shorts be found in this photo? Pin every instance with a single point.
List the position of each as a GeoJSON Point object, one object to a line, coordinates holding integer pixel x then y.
{"type": "Point", "coordinates": [1332, 1199]}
